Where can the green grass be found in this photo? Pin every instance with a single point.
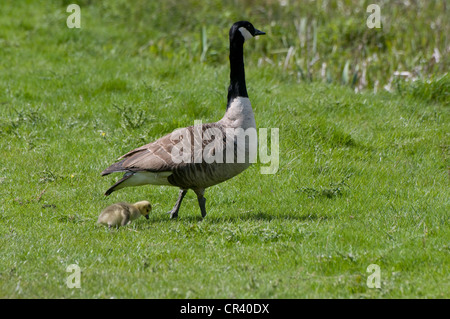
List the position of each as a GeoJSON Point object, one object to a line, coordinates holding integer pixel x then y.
{"type": "Point", "coordinates": [363, 177]}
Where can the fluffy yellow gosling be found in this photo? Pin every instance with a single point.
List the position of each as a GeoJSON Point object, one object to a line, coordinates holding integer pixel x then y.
{"type": "Point", "coordinates": [122, 214]}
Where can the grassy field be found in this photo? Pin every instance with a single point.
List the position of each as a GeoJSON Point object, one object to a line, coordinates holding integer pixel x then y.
{"type": "Point", "coordinates": [364, 151]}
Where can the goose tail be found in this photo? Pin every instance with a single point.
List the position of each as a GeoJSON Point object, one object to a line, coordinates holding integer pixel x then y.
{"type": "Point", "coordinates": [118, 185]}
{"type": "Point", "coordinates": [116, 167]}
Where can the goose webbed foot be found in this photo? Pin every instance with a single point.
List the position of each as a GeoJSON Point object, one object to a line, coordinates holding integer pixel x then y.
{"type": "Point", "coordinates": [174, 212]}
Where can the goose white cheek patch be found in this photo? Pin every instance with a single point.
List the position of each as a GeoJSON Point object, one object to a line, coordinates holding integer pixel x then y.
{"type": "Point", "coordinates": [247, 35]}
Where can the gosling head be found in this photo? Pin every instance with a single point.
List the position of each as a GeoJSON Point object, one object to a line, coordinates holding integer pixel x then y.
{"type": "Point", "coordinates": [144, 208]}
{"type": "Point", "coordinates": [243, 30]}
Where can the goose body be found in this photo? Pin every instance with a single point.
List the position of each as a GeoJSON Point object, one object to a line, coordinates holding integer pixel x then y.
{"type": "Point", "coordinates": [155, 163]}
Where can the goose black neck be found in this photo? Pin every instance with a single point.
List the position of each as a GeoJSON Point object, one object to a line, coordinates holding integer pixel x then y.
{"type": "Point", "coordinates": [237, 73]}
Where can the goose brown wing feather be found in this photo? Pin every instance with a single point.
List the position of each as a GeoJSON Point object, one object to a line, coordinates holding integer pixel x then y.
{"type": "Point", "coordinates": [155, 156]}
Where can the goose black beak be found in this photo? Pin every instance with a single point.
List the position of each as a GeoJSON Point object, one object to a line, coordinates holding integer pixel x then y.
{"type": "Point", "coordinates": [258, 32]}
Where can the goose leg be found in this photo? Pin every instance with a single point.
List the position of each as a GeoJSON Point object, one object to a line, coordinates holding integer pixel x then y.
{"type": "Point", "coordinates": [174, 212]}
{"type": "Point", "coordinates": [201, 201]}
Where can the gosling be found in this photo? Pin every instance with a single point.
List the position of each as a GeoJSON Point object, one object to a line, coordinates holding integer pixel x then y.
{"type": "Point", "coordinates": [122, 214]}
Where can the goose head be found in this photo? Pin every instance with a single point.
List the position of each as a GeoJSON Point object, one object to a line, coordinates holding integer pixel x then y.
{"type": "Point", "coordinates": [243, 30]}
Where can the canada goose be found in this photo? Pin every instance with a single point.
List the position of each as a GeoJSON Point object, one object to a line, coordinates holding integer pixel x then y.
{"type": "Point", "coordinates": [154, 163]}
{"type": "Point", "coordinates": [121, 214]}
